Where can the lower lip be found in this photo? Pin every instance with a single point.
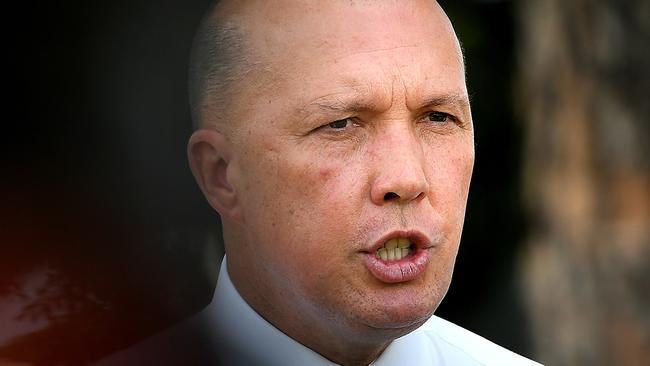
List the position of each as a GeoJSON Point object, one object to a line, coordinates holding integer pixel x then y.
{"type": "Point", "coordinates": [403, 270]}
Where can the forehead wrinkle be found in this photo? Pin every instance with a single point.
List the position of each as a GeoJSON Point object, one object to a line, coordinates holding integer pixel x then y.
{"type": "Point", "coordinates": [399, 77]}
{"type": "Point", "coordinates": [359, 99]}
{"type": "Point", "coordinates": [342, 55]}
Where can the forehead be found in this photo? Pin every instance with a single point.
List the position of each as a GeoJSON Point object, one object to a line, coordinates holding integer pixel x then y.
{"type": "Point", "coordinates": [281, 31]}
{"type": "Point", "coordinates": [315, 48]}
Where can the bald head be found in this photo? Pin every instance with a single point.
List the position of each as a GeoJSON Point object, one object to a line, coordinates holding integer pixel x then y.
{"type": "Point", "coordinates": [234, 43]}
{"type": "Point", "coordinates": [218, 59]}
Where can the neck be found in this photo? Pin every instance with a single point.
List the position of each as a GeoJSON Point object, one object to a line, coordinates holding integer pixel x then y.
{"type": "Point", "coordinates": [342, 349]}
{"type": "Point", "coordinates": [325, 334]}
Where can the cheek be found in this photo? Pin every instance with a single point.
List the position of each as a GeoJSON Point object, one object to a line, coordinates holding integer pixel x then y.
{"type": "Point", "coordinates": [339, 185]}
{"type": "Point", "coordinates": [449, 173]}
{"type": "Point", "coordinates": [324, 173]}
{"type": "Point", "coordinates": [450, 169]}
{"type": "Point", "coordinates": [299, 197]}
{"type": "Point", "coordinates": [328, 181]}
{"type": "Point", "coordinates": [313, 215]}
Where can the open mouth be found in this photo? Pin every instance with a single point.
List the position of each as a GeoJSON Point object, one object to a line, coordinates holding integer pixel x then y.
{"type": "Point", "coordinates": [395, 249]}
{"type": "Point", "coordinates": [399, 257]}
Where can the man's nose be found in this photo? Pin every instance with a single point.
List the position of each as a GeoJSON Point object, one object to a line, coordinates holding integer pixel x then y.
{"type": "Point", "coordinates": [399, 175]}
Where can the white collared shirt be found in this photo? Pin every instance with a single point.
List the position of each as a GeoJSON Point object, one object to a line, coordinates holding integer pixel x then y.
{"type": "Point", "coordinates": [248, 339]}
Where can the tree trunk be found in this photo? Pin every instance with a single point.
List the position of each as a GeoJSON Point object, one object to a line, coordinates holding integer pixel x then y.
{"type": "Point", "coordinates": [584, 73]}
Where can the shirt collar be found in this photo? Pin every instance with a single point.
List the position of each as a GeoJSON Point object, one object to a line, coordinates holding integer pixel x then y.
{"type": "Point", "coordinates": [247, 338]}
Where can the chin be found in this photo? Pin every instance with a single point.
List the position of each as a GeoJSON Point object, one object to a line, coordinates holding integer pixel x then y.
{"type": "Point", "coordinates": [389, 330]}
{"type": "Point", "coordinates": [399, 320]}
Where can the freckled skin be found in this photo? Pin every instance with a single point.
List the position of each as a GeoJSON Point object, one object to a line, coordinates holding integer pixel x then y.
{"type": "Point", "coordinates": [312, 198]}
{"type": "Point", "coordinates": [325, 173]}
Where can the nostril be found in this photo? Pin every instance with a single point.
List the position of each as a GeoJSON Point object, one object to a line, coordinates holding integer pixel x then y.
{"type": "Point", "coordinates": [390, 195]}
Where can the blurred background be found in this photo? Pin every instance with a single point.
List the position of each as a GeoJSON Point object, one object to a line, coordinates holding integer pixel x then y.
{"type": "Point", "coordinates": [105, 240]}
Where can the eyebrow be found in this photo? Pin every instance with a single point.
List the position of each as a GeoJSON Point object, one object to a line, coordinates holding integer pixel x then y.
{"type": "Point", "coordinates": [453, 99]}
{"type": "Point", "coordinates": [349, 103]}
{"type": "Point", "coordinates": [459, 102]}
{"type": "Point", "coordinates": [354, 103]}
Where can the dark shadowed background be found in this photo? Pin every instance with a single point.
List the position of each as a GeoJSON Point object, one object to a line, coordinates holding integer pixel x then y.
{"type": "Point", "coordinates": [106, 240]}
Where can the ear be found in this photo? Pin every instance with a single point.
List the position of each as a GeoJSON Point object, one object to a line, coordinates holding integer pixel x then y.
{"type": "Point", "coordinates": [209, 155]}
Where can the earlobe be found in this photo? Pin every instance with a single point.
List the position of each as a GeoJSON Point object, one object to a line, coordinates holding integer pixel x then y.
{"type": "Point", "coordinates": [209, 156]}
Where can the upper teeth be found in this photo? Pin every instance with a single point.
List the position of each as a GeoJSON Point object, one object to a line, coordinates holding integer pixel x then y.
{"type": "Point", "coordinates": [394, 249]}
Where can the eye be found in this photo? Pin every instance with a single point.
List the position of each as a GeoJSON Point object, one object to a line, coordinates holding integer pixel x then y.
{"type": "Point", "coordinates": [340, 124]}
{"type": "Point", "coordinates": [438, 117]}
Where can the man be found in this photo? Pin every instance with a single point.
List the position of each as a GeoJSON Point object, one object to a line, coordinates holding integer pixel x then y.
{"type": "Point", "coordinates": [335, 140]}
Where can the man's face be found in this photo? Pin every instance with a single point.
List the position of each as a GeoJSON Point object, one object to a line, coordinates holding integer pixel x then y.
{"type": "Point", "coordinates": [355, 130]}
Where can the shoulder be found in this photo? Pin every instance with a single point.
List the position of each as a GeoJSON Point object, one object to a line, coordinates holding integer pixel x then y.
{"type": "Point", "coordinates": [454, 342]}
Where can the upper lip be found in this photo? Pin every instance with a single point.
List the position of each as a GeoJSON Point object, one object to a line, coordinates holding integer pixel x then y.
{"type": "Point", "coordinates": [419, 239]}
